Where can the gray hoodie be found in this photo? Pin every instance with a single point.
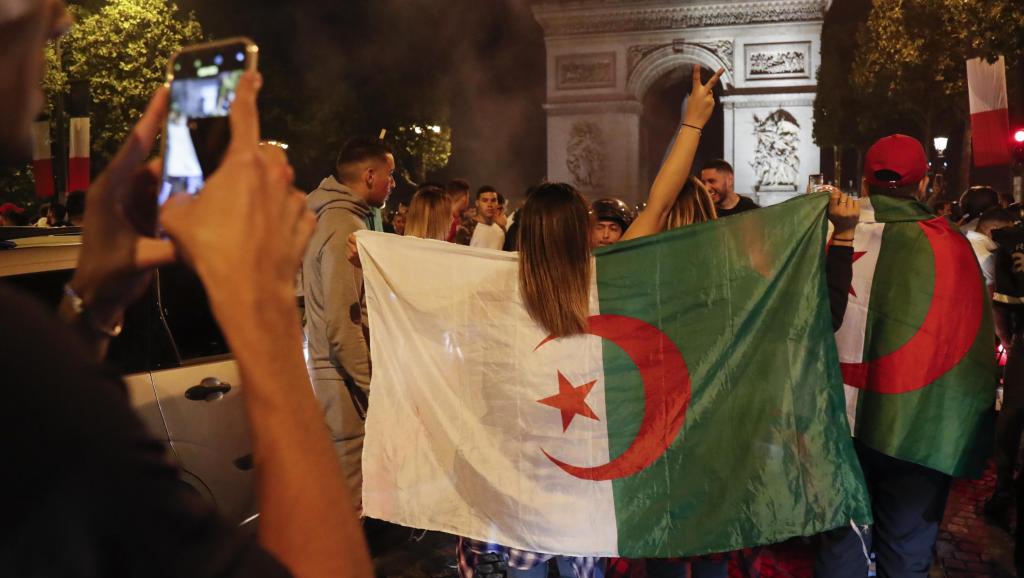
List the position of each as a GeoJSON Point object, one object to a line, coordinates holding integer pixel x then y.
{"type": "Point", "coordinates": [335, 308]}
{"type": "Point", "coordinates": [336, 327]}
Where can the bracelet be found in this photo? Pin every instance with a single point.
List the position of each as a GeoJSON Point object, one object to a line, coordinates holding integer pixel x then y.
{"type": "Point", "coordinates": [834, 239]}
{"type": "Point", "coordinates": [80, 309]}
{"type": "Point", "coordinates": [696, 128]}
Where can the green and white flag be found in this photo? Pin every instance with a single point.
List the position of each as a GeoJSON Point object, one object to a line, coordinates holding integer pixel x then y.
{"type": "Point", "coordinates": [917, 345]}
{"type": "Point", "coordinates": [702, 413]}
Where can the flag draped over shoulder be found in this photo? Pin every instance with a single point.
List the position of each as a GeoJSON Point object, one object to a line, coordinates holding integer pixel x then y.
{"type": "Point", "coordinates": [702, 413]}
{"type": "Point", "coordinates": [917, 343]}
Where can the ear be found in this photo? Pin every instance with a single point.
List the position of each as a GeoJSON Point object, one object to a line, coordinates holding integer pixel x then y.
{"type": "Point", "coordinates": [922, 188]}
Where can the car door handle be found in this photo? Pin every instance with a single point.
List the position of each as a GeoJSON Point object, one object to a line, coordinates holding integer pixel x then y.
{"type": "Point", "coordinates": [210, 389]}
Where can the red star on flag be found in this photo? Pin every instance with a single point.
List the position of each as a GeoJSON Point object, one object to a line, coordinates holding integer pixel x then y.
{"type": "Point", "coordinates": [856, 257]}
{"type": "Point", "coordinates": [571, 401]}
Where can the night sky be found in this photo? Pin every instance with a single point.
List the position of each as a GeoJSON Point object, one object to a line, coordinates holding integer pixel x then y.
{"type": "Point", "coordinates": [337, 68]}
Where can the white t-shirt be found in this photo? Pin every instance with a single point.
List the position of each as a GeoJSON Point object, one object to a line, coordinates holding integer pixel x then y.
{"type": "Point", "coordinates": [488, 236]}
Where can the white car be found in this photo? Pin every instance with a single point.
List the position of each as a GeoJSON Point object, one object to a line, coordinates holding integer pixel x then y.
{"type": "Point", "coordinates": [181, 378]}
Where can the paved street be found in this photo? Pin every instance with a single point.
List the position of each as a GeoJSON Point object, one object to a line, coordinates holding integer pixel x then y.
{"type": "Point", "coordinates": [968, 547]}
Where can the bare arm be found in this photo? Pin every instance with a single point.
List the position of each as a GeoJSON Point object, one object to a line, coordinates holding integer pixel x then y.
{"type": "Point", "coordinates": [676, 168]}
{"type": "Point", "coordinates": [120, 211]}
{"type": "Point", "coordinates": [307, 518]}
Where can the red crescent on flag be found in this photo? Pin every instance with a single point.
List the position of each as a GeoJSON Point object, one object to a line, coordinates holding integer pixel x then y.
{"type": "Point", "coordinates": [666, 395]}
{"type": "Point", "coordinates": [949, 329]}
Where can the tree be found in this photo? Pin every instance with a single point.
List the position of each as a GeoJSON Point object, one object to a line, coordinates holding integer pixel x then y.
{"type": "Point", "coordinates": [834, 125]}
{"type": "Point", "coordinates": [121, 48]}
{"type": "Point", "coordinates": [427, 147]}
{"type": "Point", "coordinates": [908, 68]}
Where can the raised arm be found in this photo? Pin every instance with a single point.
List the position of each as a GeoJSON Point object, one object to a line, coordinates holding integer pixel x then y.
{"type": "Point", "coordinates": [676, 168]}
{"type": "Point", "coordinates": [248, 264]}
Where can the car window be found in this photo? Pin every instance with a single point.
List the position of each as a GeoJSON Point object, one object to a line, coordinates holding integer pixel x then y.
{"type": "Point", "coordinates": [187, 313]}
{"type": "Point", "coordinates": [143, 345]}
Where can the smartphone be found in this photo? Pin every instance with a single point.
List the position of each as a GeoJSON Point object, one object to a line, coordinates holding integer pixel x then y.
{"type": "Point", "coordinates": [814, 183]}
{"type": "Point", "coordinates": [203, 80]}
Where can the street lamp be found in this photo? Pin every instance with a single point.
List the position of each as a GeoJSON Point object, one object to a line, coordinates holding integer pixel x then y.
{"type": "Point", "coordinates": [939, 182]}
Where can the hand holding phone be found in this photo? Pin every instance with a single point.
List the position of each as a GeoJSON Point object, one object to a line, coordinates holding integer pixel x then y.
{"type": "Point", "coordinates": [204, 80]}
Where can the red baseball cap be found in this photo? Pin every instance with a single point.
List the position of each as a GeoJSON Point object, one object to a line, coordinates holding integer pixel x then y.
{"type": "Point", "coordinates": [895, 161]}
{"type": "Point", "coordinates": [10, 208]}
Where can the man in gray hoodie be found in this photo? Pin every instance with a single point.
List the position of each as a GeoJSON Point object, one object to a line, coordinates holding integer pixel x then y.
{"type": "Point", "coordinates": [336, 327]}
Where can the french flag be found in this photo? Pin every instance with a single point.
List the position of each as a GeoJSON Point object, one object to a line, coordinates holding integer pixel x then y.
{"type": "Point", "coordinates": [42, 159]}
{"type": "Point", "coordinates": [990, 121]}
{"type": "Point", "coordinates": [78, 154]}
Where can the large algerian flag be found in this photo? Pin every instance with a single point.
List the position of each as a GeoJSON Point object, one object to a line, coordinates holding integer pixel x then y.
{"type": "Point", "coordinates": [704, 413]}
{"type": "Point", "coordinates": [917, 344]}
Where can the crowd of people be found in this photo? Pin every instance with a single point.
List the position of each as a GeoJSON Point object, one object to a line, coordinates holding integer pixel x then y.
{"type": "Point", "coordinates": [90, 494]}
{"type": "Point", "coordinates": [49, 215]}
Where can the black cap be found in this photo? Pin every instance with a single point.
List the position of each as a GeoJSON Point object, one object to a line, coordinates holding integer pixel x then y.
{"type": "Point", "coordinates": [612, 209]}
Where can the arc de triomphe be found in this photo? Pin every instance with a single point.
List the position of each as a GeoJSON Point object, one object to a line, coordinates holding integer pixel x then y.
{"type": "Point", "coordinates": [604, 57]}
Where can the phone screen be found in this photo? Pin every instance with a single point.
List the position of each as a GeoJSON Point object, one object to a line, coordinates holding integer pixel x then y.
{"type": "Point", "coordinates": [198, 132]}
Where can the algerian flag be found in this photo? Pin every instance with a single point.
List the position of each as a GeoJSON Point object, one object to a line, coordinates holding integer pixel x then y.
{"type": "Point", "coordinates": [703, 414]}
{"type": "Point", "coordinates": [917, 345]}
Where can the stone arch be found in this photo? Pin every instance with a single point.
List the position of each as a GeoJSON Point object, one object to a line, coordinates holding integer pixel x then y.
{"type": "Point", "coordinates": [657, 64]}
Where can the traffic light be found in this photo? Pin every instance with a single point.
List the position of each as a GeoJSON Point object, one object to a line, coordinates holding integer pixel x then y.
{"type": "Point", "coordinates": [1018, 148]}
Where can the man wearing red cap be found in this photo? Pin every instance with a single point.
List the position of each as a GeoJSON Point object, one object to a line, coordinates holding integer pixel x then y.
{"type": "Point", "coordinates": [10, 215]}
{"type": "Point", "coordinates": [915, 347]}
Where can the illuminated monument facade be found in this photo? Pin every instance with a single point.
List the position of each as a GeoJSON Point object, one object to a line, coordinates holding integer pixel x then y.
{"type": "Point", "coordinates": [618, 70]}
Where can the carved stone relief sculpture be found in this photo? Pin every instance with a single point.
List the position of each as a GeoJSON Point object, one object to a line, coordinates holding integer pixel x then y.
{"type": "Point", "coordinates": [778, 61]}
{"type": "Point", "coordinates": [777, 159]}
{"type": "Point", "coordinates": [722, 49]}
{"type": "Point", "coordinates": [586, 155]}
{"type": "Point", "coordinates": [579, 71]}
{"type": "Point", "coordinates": [629, 18]}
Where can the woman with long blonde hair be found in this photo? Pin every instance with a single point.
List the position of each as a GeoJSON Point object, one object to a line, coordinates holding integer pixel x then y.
{"type": "Point", "coordinates": [694, 205]}
{"type": "Point", "coordinates": [429, 214]}
{"type": "Point", "coordinates": [556, 266]}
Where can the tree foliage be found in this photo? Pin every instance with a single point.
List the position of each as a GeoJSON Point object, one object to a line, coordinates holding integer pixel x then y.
{"type": "Point", "coordinates": [907, 65]}
{"type": "Point", "coordinates": [427, 147]}
{"type": "Point", "coordinates": [833, 123]}
{"type": "Point", "coordinates": [122, 50]}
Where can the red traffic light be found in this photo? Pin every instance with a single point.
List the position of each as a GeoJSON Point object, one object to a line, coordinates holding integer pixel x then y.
{"type": "Point", "coordinates": [1018, 136]}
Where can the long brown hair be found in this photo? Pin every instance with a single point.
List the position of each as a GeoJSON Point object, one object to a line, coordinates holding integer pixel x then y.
{"type": "Point", "coordinates": [693, 205]}
{"type": "Point", "coordinates": [554, 258]}
{"type": "Point", "coordinates": [430, 214]}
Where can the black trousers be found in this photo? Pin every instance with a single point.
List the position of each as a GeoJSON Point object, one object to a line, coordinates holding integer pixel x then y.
{"type": "Point", "coordinates": [907, 503]}
{"type": "Point", "coordinates": [1010, 423]}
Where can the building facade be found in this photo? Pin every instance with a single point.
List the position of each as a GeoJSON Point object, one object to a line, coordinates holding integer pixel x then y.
{"type": "Point", "coordinates": [611, 62]}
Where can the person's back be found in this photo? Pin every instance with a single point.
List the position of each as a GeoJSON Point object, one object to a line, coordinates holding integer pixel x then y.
{"type": "Point", "coordinates": [336, 326]}
{"type": "Point", "coordinates": [920, 411]}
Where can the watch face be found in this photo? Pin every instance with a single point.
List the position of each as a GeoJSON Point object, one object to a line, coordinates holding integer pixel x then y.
{"type": "Point", "coordinates": [82, 313]}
